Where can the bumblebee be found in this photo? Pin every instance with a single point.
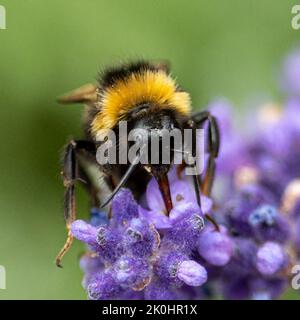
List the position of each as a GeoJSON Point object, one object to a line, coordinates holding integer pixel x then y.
{"type": "Point", "coordinates": [145, 96]}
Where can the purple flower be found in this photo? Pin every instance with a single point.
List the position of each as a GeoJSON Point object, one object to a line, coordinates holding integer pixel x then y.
{"type": "Point", "coordinates": [143, 253]}
{"type": "Point", "coordinates": [192, 273]}
{"type": "Point", "coordinates": [124, 207]}
{"type": "Point", "coordinates": [90, 265]}
{"type": "Point", "coordinates": [291, 73]}
{"type": "Point", "coordinates": [265, 215]}
{"type": "Point", "coordinates": [268, 225]}
{"type": "Point", "coordinates": [188, 224]}
{"type": "Point", "coordinates": [215, 247]}
{"type": "Point", "coordinates": [98, 217]}
{"type": "Point", "coordinates": [84, 232]}
{"type": "Point", "coordinates": [277, 163]}
{"type": "Point", "coordinates": [175, 268]}
{"type": "Point", "coordinates": [238, 210]}
{"type": "Point", "coordinates": [132, 272]}
{"type": "Point", "coordinates": [166, 267]}
{"type": "Point", "coordinates": [110, 243]}
{"type": "Point", "coordinates": [242, 263]}
{"type": "Point", "coordinates": [103, 287]}
{"type": "Point", "coordinates": [141, 238]}
{"type": "Point", "coordinates": [266, 288]}
{"type": "Point", "coordinates": [270, 258]}
{"type": "Point", "coordinates": [160, 291]}
{"type": "Point", "coordinates": [233, 153]}
{"type": "Point", "coordinates": [182, 194]}
{"type": "Point", "coordinates": [254, 288]}
{"type": "Point", "coordinates": [236, 288]}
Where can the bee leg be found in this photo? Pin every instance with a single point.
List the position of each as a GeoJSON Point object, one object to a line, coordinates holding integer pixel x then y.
{"type": "Point", "coordinates": [199, 119]}
{"type": "Point", "coordinates": [197, 186]}
{"type": "Point", "coordinates": [69, 173]}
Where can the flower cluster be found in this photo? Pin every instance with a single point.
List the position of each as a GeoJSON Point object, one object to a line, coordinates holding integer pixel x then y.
{"type": "Point", "coordinates": [260, 232]}
{"type": "Point", "coordinates": [260, 199]}
{"type": "Point", "coordinates": [141, 253]}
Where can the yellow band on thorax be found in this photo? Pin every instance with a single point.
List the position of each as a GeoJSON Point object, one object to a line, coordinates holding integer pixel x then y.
{"type": "Point", "coordinates": [148, 87]}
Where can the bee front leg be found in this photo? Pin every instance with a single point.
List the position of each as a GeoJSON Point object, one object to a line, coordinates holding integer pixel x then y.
{"type": "Point", "coordinates": [70, 177]}
{"type": "Point", "coordinates": [199, 119]}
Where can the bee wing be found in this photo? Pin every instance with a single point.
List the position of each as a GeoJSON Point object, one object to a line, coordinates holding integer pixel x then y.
{"type": "Point", "coordinates": [86, 94]}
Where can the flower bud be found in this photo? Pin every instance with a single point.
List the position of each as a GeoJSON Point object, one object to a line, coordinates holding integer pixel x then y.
{"type": "Point", "coordinates": [192, 273]}
{"type": "Point", "coordinates": [270, 258]}
{"type": "Point", "coordinates": [215, 247]}
{"type": "Point", "coordinates": [103, 287]}
{"type": "Point", "coordinates": [84, 232]}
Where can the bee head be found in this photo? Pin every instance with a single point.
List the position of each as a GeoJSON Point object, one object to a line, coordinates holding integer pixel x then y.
{"type": "Point", "coordinates": [155, 132]}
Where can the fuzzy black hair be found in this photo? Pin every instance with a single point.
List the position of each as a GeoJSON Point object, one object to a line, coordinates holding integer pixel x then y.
{"type": "Point", "coordinates": [114, 74]}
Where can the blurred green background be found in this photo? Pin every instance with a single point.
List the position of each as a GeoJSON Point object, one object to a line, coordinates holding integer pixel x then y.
{"type": "Point", "coordinates": [226, 48]}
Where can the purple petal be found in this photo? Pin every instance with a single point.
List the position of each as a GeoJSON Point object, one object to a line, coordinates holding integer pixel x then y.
{"type": "Point", "coordinates": [124, 206]}
{"type": "Point", "coordinates": [184, 209]}
{"type": "Point", "coordinates": [215, 247]}
{"type": "Point", "coordinates": [206, 204]}
{"type": "Point", "coordinates": [90, 264]}
{"type": "Point", "coordinates": [181, 192]}
{"type": "Point", "coordinates": [158, 290]}
{"type": "Point", "coordinates": [223, 111]}
{"type": "Point", "coordinates": [103, 287]}
{"type": "Point", "coordinates": [85, 232]}
{"type": "Point", "coordinates": [291, 73]}
{"type": "Point", "coordinates": [270, 258]}
{"type": "Point", "coordinates": [192, 273]}
{"type": "Point", "coordinates": [154, 197]}
{"type": "Point", "coordinates": [160, 220]}
{"type": "Point", "coordinates": [132, 272]}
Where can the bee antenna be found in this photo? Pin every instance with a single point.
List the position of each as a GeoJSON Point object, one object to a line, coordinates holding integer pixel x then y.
{"type": "Point", "coordinates": [123, 180]}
